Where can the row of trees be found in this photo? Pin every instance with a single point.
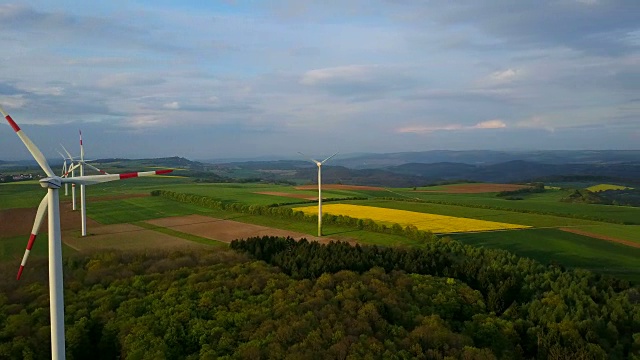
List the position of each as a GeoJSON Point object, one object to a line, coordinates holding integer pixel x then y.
{"type": "Point", "coordinates": [534, 188]}
{"type": "Point", "coordinates": [277, 210]}
{"type": "Point", "coordinates": [532, 310]}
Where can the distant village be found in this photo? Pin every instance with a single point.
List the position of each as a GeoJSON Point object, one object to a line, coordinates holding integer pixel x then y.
{"type": "Point", "coordinates": [18, 177]}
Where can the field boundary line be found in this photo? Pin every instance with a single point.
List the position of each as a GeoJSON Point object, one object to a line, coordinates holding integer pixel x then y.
{"type": "Point", "coordinates": [601, 237]}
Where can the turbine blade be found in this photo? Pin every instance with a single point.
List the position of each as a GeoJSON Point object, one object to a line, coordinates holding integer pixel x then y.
{"type": "Point", "coordinates": [96, 169]}
{"type": "Point", "coordinates": [42, 210]}
{"type": "Point", "coordinates": [96, 179]}
{"type": "Point", "coordinates": [33, 149]}
{"type": "Point", "coordinates": [310, 158]}
{"type": "Point", "coordinates": [323, 161]}
{"type": "Point", "coordinates": [68, 154]}
{"type": "Point", "coordinates": [70, 169]}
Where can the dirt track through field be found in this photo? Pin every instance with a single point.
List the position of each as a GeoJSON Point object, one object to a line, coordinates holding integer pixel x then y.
{"type": "Point", "coordinates": [601, 237]}
{"type": "Point", "coordinates": [476, 188]}
{"type": "Point", "coordinates": [225, 230]}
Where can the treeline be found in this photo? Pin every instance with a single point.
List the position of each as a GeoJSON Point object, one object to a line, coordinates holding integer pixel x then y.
{"type": "Point", "coordinates": [534, 188]}
{"type": "Point", "coordinates": [533, 311]}
{"type": "Point", "coordinates": [277, 210]}
{"type": "Point", "coordinates": [627, 197]}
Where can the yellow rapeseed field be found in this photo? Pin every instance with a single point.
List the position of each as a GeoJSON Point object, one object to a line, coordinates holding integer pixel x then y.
{"type": "Point", "coordinates": [438, 224]}
{"type": "Point", "coordinates": [604, 187]}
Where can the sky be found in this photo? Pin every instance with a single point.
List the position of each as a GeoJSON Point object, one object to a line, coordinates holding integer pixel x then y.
{"type": "Point", "coordinates": [243, 79]}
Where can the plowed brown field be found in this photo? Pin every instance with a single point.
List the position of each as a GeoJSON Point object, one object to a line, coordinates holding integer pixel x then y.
{"type": "Point", "coordinates": [125, 237]}
{"type": "Point", "coordinates": [225, 230]}
{"type": "Point", "coordinates": [15, 222]}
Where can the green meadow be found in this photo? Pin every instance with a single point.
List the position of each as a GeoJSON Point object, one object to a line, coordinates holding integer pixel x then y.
{"type": "Point", "coordinates": [570, 250]}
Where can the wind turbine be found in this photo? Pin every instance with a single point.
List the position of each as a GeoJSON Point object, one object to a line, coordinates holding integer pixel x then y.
{"type": "Point", "coordinates": [83, 195]}
{"type": "Point", "coordinates": [52, 201]}
{"type": "Point", "coordinates": [319, 164]}
{"type": "Point", "coordinates": [64, 173]}
{"type": "Point", "coordinates": [71, 169]}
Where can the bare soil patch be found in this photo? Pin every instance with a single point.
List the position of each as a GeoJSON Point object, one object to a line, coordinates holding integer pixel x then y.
{"type": "Point", "coordinates": [226, 230]}
{"type": "Point", "coordinates": [477, 188]}
{"type": "Point", "coordinates": [339, 187]}
{"type": "Point", "coordinates": [125, 237]}
{"type": "Point", "coordinates": [601, 237]}
{"type": "Point", "coordinates": [16, 222]}
{"type": "Point", "coordinates": [289, 195]}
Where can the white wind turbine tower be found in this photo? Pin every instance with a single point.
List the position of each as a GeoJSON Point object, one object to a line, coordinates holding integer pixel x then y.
{"type": "Point", "coordinates": [83, 196]}
{"type": "Point", "coordinates": [319, 164]}
{"type": "Point", "coordinates": [71, 169]}
{"type": "Point", "coordinates": [52, 201]}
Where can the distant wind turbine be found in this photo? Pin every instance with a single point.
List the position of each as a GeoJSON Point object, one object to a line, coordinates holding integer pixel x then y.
{"type": "Point", "coordinates": [319, 164]}
{"type": "Point", "coordinates": [52, 201]}
{"type": "Point", "coordinates": [81, 163]}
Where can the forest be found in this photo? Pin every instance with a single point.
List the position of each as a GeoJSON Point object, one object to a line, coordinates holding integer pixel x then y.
{"type": "Point", "coordinates": [277, 298]}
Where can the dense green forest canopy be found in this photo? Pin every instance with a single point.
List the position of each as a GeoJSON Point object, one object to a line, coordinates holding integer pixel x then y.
{"type": "Point", "coordinates": [444, 300]}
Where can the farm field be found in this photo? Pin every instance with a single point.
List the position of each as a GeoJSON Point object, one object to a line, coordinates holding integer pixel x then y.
{"type": "Point", "coordinates": [535, 220]}
{"type": "Point", "coordinates": [437, 224]}
{"type": "Point", "coordinates": [471, 188]}
{"type": "Point", "coordinates": [626, 232]}
{"type": "Point", "coordinates": [571, 250]}
{"type": "Point", "coordinates": [128, 202]}
{"type": "Point", "coordinates": [12, 248]}
{"type": "Point", "coordinates": [604, 187]}
{"type": "Point", "coordinates": [547, 202]}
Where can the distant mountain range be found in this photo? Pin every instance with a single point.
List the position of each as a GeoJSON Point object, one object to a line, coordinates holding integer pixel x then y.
{"type": "Point", "coordinates": [408, 169]}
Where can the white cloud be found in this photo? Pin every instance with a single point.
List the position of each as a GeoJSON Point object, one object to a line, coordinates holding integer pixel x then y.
{"type": "Point", "coordinates": [338, 74]}
{"type": "Point", "coordinates": [13, 101]}
{"type": "Point", "coordinates": [490, 124]}
{"type": "Point", "coordinates": [172, 105]}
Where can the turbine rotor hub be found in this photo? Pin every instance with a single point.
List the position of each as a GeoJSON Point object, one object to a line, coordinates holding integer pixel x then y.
{"type": "Point", "coordinates": [51, 182]}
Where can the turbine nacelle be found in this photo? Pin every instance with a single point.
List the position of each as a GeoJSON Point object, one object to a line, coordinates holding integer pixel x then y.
{"type": "Point", "coordinates": [54, 182]}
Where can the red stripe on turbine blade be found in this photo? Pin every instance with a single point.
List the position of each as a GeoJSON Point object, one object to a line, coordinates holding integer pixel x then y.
{"type": "Point", "coordinates": [128, 176]}
{"type": "Point", "coordinates": [20, 272]}
{"type": "Point", "coordinates": [160, 172]}
{"type": "Point", "coordinates": [32, 239]}
{"type": "Point", "coordinates": [13, 124]}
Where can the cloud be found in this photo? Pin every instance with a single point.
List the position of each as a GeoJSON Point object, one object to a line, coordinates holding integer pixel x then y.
{"type": "Point", "coordinates": [174, 105]}
{"type": "Point", "coordinates": [489, 124]}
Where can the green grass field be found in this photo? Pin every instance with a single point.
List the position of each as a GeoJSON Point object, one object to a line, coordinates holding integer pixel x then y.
{"type": "Point", "coordinates": [624, 232]}
{"type": "Point", "coordinates": [547, 203]}
{"type": "Point", "coordinates": [12, 248]}
{"type": "Point", "coordinates": [571, 250]}
{"type": "Point", "coordinates": [480, 214]}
